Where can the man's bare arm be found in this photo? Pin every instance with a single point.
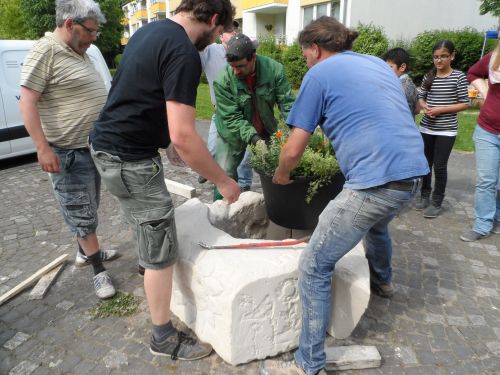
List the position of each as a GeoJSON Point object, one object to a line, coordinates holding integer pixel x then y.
{"type": "Point", "coordinates": [47, 159]}
{"type": "Point", "coordinates": [192, 149]}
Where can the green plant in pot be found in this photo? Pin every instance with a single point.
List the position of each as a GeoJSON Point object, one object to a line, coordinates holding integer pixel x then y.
{"type": "Point", "coordinates": [316, 179]}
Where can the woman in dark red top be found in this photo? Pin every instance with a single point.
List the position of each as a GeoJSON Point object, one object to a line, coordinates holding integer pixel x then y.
{"type": "Point", "coordinates": [485, 76]}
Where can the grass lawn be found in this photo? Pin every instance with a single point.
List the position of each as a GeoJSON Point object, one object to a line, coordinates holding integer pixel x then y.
{"type": "Point", "coordinates": [466, 120]}
{"type": "Point", "coordinates": [204, 107]}
{"type": "Point", "coordinates": [466, 123]}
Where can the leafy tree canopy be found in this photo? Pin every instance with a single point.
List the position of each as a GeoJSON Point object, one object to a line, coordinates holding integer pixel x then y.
{"type": "Point", "coordinates": [490, 6]}
{"type": "Point", "coordinates": [12, 25]}
{"type": "Point", "coordinates": [39, 16]}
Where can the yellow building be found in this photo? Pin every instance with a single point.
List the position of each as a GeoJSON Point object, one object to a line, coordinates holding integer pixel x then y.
{"type": "Point", "coordinates": [283, 19]}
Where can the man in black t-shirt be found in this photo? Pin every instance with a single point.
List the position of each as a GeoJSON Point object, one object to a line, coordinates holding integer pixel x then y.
{"type": "Point", "coordinates": [150, 105]}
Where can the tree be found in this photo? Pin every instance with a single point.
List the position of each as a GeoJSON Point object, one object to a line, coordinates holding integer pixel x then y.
{"type": "Point", "coordinates": [112, 30]}
{"type": "Point", "coordinates": [490, 6]}
{"type": "Point", "coordinates": [12, 25]}
{"type": "Point", "coordinates": [39, 16]}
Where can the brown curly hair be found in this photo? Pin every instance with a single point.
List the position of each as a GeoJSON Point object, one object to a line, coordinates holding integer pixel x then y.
{"type": "Point", "coordinates": [329, 34]}
{"type": "Point", "coordinates": [203, 10]}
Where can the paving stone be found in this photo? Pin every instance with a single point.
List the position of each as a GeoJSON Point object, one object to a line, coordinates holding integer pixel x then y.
{"type": "Point", "coordinates": [23, 368]}
{"type": "Point", "coordinates": [18, 339]}
{"type": "Point", "coordinates": [446, 290]}
{"type": "Point", "coordinates": [115, 359]}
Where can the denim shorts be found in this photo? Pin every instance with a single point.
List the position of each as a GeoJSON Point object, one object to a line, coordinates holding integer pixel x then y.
{"type": "Point", "coordinates": [144, 198]}
{"type": "Point", "coordinates": [77, 189]}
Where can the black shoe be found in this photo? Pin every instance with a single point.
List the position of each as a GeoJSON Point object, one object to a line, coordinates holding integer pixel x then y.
{"type": "Point", "coordinates": [384, 290]}
{"type": "Point", "coordinates": [140, 270]}
{"type": "Point", "coordinates": [180, 346]}
{"type": "Point", "coordinates": [202, 179]}
{"type": "Point", "coordinates": [244, 188]}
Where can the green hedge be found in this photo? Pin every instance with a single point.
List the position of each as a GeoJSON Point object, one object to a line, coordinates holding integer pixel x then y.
{"type": "Point", "coordinates": [468, 44]}
{"type": "Point", "coordinates": [295, 64]}
{"type": "Point", "coordinates": [372, 40]}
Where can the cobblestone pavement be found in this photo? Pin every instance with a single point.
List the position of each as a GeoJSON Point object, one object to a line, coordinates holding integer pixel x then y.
{"type": "Point", "coordinates": [444, 318]}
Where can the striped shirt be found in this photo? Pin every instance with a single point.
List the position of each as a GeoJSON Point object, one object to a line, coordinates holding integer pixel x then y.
{"type": "Point", "coordinates": [72, 91]}
{"type": "Point", "coordinates": [443, 92]}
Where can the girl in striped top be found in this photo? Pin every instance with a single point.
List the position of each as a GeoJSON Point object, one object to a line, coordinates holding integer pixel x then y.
{"type": "Point", "coordinates": [443, 93]}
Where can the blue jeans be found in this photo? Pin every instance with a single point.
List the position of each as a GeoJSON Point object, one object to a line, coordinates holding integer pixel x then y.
{"type": "Point", "coordinates": [245, 172]}
{"type": "Point", "coordinates": [77, 188]}
{"type": "Point", "coordinates": [352, 216]}
{"type": "Point", "coordinates": [487, 197]}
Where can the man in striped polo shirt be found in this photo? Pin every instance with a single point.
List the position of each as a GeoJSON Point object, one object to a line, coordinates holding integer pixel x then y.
{"type": "Point", "coordinates": [62, 95]}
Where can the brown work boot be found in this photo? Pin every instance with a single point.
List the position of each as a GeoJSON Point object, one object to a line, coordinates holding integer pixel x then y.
{"type": "Point", "coordinates": [384, 290]}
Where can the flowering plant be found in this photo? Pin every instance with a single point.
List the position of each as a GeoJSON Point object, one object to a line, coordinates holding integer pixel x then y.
{"type": "Point", "coordinates": [318, 161]}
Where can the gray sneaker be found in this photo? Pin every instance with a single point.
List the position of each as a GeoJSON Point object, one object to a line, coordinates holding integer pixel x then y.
{"type": "Point", "coordinates": [106, 255]}
{"type": "Point", "coordinates": [496, 227]}
{"type": "Point", "coordinates": [421, 203]}
{"type": "Point", "coordinates": [180, 346]}
{"type": "Point", "coordinates": [471, 236]}
{"type": "Point", "coordinates": [432, 211]}
{"type": "Point", "coordinates": [103, 285]}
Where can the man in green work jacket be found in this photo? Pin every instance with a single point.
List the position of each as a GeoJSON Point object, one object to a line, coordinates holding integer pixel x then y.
{"type": "Point", "coordinates": [246, 92]}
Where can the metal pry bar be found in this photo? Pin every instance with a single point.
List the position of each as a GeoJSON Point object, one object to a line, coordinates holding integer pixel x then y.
{"type": "Point", "coordinates": [255, 244]}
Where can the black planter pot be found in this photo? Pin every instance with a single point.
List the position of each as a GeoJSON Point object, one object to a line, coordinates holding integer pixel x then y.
{"type": "Point", "coordinates": [286, 204]}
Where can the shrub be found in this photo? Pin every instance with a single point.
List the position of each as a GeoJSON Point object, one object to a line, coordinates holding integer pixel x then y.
{"type": "Point", "coordinates": [268, 47]}
{"type": "Point", "coordinates": [318, 160]}
{"type": "Point", "coordinates": [371, 40]}
{"type": "Point", "coordinates": [468, 44]}
{"type": "Point", "coordinates": [295, 65]}
{"type": "Point", "coordinates": [118, 59]}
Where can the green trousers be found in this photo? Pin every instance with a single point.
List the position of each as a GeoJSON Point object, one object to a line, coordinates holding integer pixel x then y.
{"type": "Point", "coordinates": [228, 159]}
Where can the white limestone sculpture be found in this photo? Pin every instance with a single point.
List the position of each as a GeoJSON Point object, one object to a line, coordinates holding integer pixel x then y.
{"type": "Point", "coordinates": [245, 218]}
{"type": "Point", "coordinates": [244, 302]}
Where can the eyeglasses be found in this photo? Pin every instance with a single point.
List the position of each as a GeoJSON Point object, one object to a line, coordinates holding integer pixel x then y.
{"type": "Point", "coordinates": [95, 33]}
{"type": "Point", "coordinates": [442, 57]}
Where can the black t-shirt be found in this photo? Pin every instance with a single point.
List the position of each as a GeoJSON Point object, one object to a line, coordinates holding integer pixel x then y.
{"type": "Point", "coordinates": [159, 63]}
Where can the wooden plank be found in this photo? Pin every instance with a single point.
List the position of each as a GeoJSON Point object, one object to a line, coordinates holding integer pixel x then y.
{"type": "Point", "coordinates": [352, 357]}
{"type": "Point", "coordinates": [33, 278]}
{"type": "Point", "coordinates": [42, 287]}
{"type": "Point", "coordinates": [175, 187]}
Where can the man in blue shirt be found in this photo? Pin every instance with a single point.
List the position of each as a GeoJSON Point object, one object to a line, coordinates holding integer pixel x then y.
{"type": "Point", "coordinates": [358, 102]}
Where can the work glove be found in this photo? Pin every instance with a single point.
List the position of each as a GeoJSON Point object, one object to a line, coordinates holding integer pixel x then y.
{"type": "Point", "coordinates": [257, 141]}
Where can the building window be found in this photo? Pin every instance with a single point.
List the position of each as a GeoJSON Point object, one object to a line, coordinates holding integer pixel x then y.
{"type": "Point", "coordinates": [335, 10]}
{"type": "Point", "coordinates": [308, 15]}
{"type": "Point", "coordinates": [324, 9]}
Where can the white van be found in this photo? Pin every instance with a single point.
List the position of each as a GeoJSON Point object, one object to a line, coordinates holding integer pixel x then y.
{"type": "Point", "coordinates": [14, 139]}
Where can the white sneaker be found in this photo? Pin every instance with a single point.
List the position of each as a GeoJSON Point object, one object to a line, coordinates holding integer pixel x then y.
{"type": "Point", "coordinates": [103, 285]}
{"type": "Point", "coordinates": [106, 255]}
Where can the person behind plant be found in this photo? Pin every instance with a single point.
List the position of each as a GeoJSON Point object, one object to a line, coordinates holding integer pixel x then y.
{"type": "Point", "coordinates": [246, 93]}
{"type": "Point", "coordinates": [399, 60]}
{"type": "Point", "coordinates": [380, 154]}
{"type": "Point", "coordinates": [443, 93]}
{"type": "Point", "coordinates": [213, 62]}
{"type": "Point", "coordinates": [59, 125]}
{"type": "Point", "coordinates": [151, 105]}
{"type": "Point", "coordinates": [487, 145]}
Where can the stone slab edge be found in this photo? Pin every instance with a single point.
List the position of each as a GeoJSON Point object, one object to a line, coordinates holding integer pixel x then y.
{"type": "Point", "coordinates": [175, 187]}
{"type": "Point", "coordinates": [42, 287]}
{"type": "Point", "coordinates": [352, 357]}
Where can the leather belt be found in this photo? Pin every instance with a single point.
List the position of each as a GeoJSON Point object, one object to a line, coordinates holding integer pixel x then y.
{"type": "Point", "coordinates": [403, 185]}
